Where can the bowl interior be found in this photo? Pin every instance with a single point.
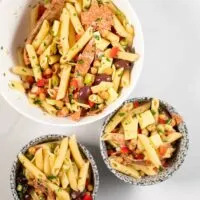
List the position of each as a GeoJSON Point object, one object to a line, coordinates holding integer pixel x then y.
{"type": "Point", "coordinates": [16, 30]}
{"type": "Point", "coordinates": [174, 163]}
{"type": "Point", "coordinates": [50, 138]}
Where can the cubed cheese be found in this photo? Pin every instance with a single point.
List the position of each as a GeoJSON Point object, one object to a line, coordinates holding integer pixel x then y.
{"type": "Point", "coordinates": [130, 126]}
{"type": "Point", "coordinates": [106, 63]}
{"type": "Point", "coordinates": [156, 140]}
{"type": "Point", "coordinates": [145, 119]}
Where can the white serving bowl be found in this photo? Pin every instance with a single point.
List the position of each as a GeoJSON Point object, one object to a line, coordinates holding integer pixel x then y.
{"type": "Point", "coordinates": [14, 20]}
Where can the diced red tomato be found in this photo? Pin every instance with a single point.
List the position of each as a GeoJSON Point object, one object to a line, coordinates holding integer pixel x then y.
{"type": "Point", "coordinates": [136, 104]}
{"type": "Point", "coordinates": [41, 10]}
{"type": "Point", "coordinates": [114, 51]}
{"type": "Point", "coordinates": [162, 150]}
{"type": "Point", "coordinates": [74, 84]}
{"type": "Point", "coordinates": [124, 150]}
{"type": "Point", "coordinates": [30, 79]}
{"type": "Point", "coordinates": [139, 156]}
{"type": "Point", "coordinates": [87, 197]}
{"type": "Point", "coordinates": [41, 83]}
{"type": "Point", "coordinates": [161, 121]}
{"type": "Point", "coordinates": [91, 104]}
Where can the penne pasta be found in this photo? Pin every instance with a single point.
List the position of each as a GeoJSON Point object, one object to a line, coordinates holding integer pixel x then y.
{"type": "Point", "coordinates": [16, 85]}
{"type": "Point", "coordinates": [76, 152]}
{"type": "Point", "coordinates": [53, 59]}
{"type": "Point", "coordinates": [44, 45]}
{"type": "Point", "coordinates": [22, 71]}
{"type": "Point", "coordinates": [86, 4]}
{"type": "Point", "coordinates": [39, 159]}
{"type": "Point", "coordinates": [110, 36]}
{"type": "Point", "coordinates": [20, 58]}
{"type": "Point", "coordinates": [34, 16]}
{"type": "Point", "coordinates": [72, 35]}
{"type": "Point", "coordinates": [64, 180]}
{"type": "Point", "coordinates": [103, 86]}
{"type": "Point", "coordinates": [124, 169]}
{"type": "Point", "coordinates": [55, 28]}
{"type": "Point", "coordinates": [83, 176]}
{"type": "Point", "coordinates": [64, 82]}
{"type": "Point", "coordinates": [75, 19]}
{"type": "Point", "coordinates": [127, 56]}
{"type": "Point", "coordinates": [119, 28]}
{"type": "Point", "coordinates": [125, 80]}
{"type": "Point", "coordinates": [47, 166]}
{"type": "Point", "coordinates": [31, 168]}
{"type": "Point", "coordinates": [64, 31]}
{"type": "Point", "coordinates": [117, 78]}
{"type": "Point", "coordinates": [34, 62]}
{"type": "Point", "coordinates": [150, 151]}
{"type": "Point", "coordinates": [72, 179]}
{"type": "Point", "coordinates": [61, 157]}
{"type": "Point", "coordinates": [119, 116]}
{"type": "Point", "coordinates": [78, 46]}
{"type": "Point", "coordinates": [41, 35]}
{"type": "Point", "coordinates": [48, 108]}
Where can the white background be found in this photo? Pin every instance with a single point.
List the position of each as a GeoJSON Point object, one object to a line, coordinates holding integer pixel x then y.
{"type": "Point", "coordinates": [171, 72]}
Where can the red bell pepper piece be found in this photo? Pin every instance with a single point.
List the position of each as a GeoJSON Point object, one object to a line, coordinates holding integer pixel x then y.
{"type": "Point", "coordinates": [114, 51]}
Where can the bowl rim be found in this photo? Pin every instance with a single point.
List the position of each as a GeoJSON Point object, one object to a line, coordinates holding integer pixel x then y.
{"type": "Point", "coordinates": [47, 138]}
{"type": "Point", "coordinates": [165, 174]}
{"type": "Point", "coordinates": [106, 112]}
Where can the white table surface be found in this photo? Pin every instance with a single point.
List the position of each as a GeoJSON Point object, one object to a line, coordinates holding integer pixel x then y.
{"type": "Point", "coordinates": [171, 72]}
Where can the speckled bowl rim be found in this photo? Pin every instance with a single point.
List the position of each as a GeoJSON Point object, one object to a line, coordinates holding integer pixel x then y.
{"type": "Point", "coordinates": [166, 173]}
{"type": "Point", "coordinates": [47, 138]}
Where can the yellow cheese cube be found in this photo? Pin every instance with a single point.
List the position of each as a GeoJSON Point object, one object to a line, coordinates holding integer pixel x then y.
{"type": "Point", "coordinates": [145, 119]}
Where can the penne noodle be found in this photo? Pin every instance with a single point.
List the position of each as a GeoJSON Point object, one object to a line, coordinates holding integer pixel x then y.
{"type": "Point", "coordinates": [64, 82]}
{"type": "Point", "coordinates": [55, 28]}
{"type": "Point", "coordinates": [131, 31]}
{"type": "Point", "coordinates": [75, 19]}
{"type": "Point", "coordinates": [103, 86]}
{"type": "Point", "coordinates": [119, 27]}
{"type": "Point", "coordinates": [60, 157]}
{"type": "Point", "coordinates": [130, 171]}
{"type": "Point", "coordinates": [72, 179]}
{"type": "Point", "coordinates": [83, 176]}
{"type": "Point", "coordinates": [72, 35]}
{"type": "Point", "coordinates": [110, 36]}
{"type": "Point", "coordinates": [44, 45]}
{"type": "Point", "coordinates": [20, 58]}
{"type": "Point", "coordinates": [22, 71]}
{"type": "Point", "coordinates": [78, 46]}
{"type": "Point", "coordinates": [17, 85]}
{"type": "Point", "coordinates": [86, 4]}
{"type": "Point", "coordinates": [127, 56]}
{"type": "Point", "coordinates": [31, 167]}
{"type": "Point", "coordinates": [64, 180]}
{"type": "Point", "coordinates": [41, 35]}
{"type": "Point", "coordinates": [76, 152]}
{"type": "Point", "coordinates": [118, 117]}
{"type": "Point", "coordinates": [39, 159]}
{"type": "Point", "coordinates": [47, 166]}
{"type": "Point", "coordinates": [64, 31]}
{"type": "Point", "coordinates": [34, 62]}
{"type": "Point", "coordinates": [117, 78]}
{"type": "Point", "coordinates": [125, 81]}
{"type": "Point", "coordinates": [151, 153]}
{"type": "Point", "coordinates": [47, 107]}
{"type": "Point", "coordinates": [34, 16]}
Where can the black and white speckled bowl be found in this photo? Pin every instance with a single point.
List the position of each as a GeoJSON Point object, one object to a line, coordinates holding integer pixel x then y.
{"type": "Point", "coordinates": [174, 164]}
{"type": "Point", "coordinates": [49, 138]}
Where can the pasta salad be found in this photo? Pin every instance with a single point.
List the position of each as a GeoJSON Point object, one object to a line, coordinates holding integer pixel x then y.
{"type": "Point", "coordinates": [55, 170]}
{"type": "Point", "coordinates": [141, 138]}
{"type": "Point", "coordinates": [77, 58]}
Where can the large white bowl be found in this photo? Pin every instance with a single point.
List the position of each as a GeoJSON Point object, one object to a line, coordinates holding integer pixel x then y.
{"type": "Point", "coordinates": [14, 20]}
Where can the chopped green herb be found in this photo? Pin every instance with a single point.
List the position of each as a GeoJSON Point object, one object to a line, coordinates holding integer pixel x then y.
{"type": "Point", "coordinates": [121, 114]}
{"type": "Point", "coordinates": [169, 121]}
{"type": "Point", "coordinates": [98, 19]}
{"type": "Point", "coordinates": [33, 57]}
{"type": "Point", "coordinates": [46, 1]}
{"type": "Point", "coordinates": [12, 84]}
{"type": "Point", "coordinates": [160, 169]}
{"type": "Point", "coordinates": [51, 177]}
{"type": "Point", "coordinates": [153, 112]}
{"type": "Point", "coordinates": [23, 70]}
{"type": "Point", "coordinates": [37, 102]}
{"type": "Point", "coordinates": [108, 59]}
{"type": "Point", "coordinates": [97, 37]}
{"type": "Point", "coordinates": [75, 14]}
{"type": "Point", "coordinates": [80, 62]}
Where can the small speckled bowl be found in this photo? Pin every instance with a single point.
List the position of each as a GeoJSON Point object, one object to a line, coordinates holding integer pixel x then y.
{"type": "Point", "coordinates": [49, 138]}
{"type": "Point", "coordinates": [174, 163]}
